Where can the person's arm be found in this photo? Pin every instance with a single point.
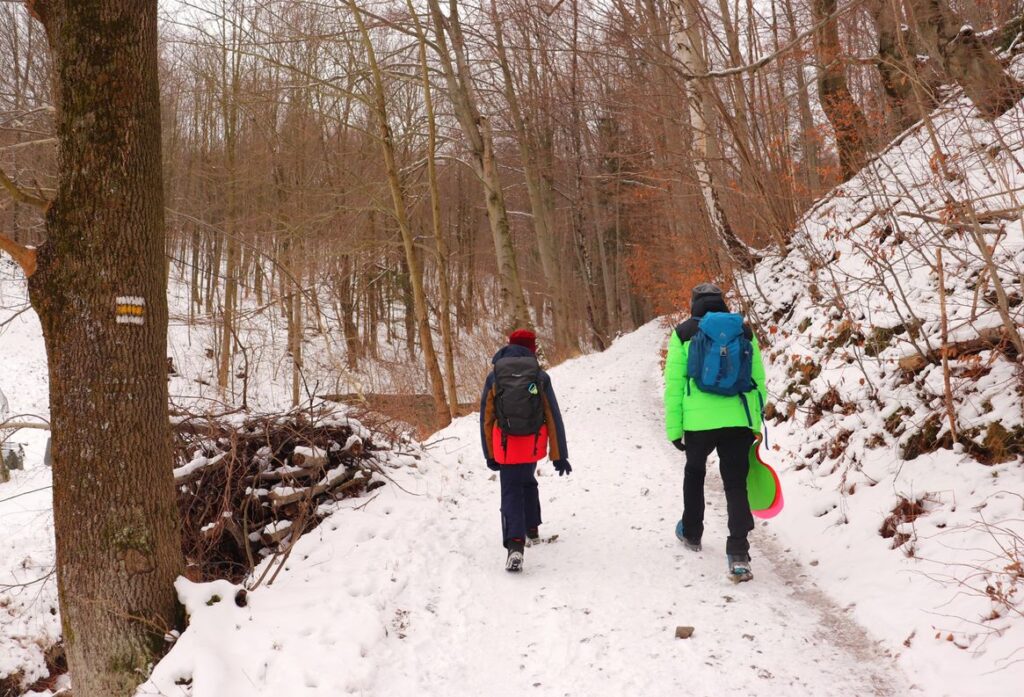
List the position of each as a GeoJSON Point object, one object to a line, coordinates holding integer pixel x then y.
{"type": "Point", "coordinates": [558, 448]}
{"type": "Point", "coordinates": [675, 384]}
{"type": "Point", "coordinates": [757, 373]}
{"type": "Point", "coordinates": [487, 417]}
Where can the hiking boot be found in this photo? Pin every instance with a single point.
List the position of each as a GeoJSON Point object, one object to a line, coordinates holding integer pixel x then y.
{"type": "Point", "coordinates": [739, 567]}
{"type": "Point", "coordinates": [687, 542]}
{"type": "Point", "coordinates": [514, 562]}
{"type": "Point", "coordinates": [532, 536]}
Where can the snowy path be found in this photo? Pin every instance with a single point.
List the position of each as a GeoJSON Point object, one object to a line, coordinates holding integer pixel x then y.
{"type": "Point", "coordinates": [595, 612]}
{"type": "Point", "coordinates": [408, 596]}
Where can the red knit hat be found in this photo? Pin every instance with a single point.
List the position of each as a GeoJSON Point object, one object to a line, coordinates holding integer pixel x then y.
{"type": "Point", "coordinates": [524, 337]}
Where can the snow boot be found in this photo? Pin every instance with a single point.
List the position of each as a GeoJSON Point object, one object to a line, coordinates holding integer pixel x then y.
{"type": "Point", "coordinates": [739, 567]}
{"type": "Point", "coordinates": [514, 562]}
{"type": "Point", "coordinates": [532, 537]}
{"type": "Point", "coordinates": [687, 542]}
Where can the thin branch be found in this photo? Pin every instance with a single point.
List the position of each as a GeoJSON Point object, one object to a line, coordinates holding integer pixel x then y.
{"type": "Point", "coordinates": [19, 195]}
{"type": "Point", "coordinates": [28, 144]}
{"type": "Point", "coordinates": [761, 62]}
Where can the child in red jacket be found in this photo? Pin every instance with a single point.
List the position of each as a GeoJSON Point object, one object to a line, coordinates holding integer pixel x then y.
{"type": "Point", "coordinates": [519, 424]}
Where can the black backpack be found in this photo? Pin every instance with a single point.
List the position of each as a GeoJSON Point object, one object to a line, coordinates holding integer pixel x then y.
{"type": "Point", "coordinates": [517, 400]}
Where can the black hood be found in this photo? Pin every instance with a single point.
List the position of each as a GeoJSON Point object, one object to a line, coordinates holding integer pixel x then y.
{"type": "Point", "coordinates": [703, 304]}
{"type": "Point", "coordinates": [512, 351]}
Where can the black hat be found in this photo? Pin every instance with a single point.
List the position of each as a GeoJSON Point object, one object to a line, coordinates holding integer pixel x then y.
{"type": "Point", "coordinates": [707, 297]}
{"type": "Point", "coordinates": [705, 289]}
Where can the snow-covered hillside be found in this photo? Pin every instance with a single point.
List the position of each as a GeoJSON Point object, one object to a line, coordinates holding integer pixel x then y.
{"type": "Point", "coordinates": [919, 534]}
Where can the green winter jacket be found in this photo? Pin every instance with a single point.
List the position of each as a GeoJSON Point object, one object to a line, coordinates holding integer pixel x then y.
{"type": "Point", "coordinates": [700, 411]}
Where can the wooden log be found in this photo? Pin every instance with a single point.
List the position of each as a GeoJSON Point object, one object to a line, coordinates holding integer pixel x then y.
{"type": "Point", "coordinates": [308, 457]}
{"type": "Point", "coordinates": [986, 340]}
{"type": "Point", "coordinates": [284, 475]}
{"type": "Point", "coordinates": [343, 481]}
{"type": "Point", "coordinates": [353, 446]}
{"type": "Point", "coordinates": [199, 466]}
{"type": "Point", "coordinates": [275, 532]}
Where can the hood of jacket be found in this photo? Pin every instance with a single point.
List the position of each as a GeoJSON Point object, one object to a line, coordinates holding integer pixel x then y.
{"type": "Point", "coordinates": [704, 304]}
{"type": "Point", "coordinates": [512, 351]}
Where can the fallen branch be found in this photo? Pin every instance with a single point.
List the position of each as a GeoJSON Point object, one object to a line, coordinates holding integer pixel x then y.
{"type": "Point", "coordinates": [953, 224]}
{"type": "Point", "coordinates": [986, 340]}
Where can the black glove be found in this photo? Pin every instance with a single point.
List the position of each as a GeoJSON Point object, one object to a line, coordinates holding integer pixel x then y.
{"type": "Point", "coordinates": [492, 465]}
{"type": "Point", "coordinates": [678, 442]}
{"type": "Point", "coordinates": [563, 467]}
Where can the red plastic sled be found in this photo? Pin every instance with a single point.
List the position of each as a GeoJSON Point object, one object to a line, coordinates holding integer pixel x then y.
{"type": "Point", "coordinates": [764, 490]}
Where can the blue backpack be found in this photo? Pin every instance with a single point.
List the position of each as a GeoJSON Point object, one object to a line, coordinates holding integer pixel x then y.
{"type": "Point", "coordinates": [721, 356]}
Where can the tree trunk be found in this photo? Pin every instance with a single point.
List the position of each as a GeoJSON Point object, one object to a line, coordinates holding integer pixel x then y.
{"type": "Point", "coordinates": [956, 47]}
{"type": "Point", "coordinates": [481, 143]}
{"type": "Point", "coordinates": [898, 66]}
{"type": "Point", "coordinates": [415, 271]}
{"type": "Point", "coordinates": [229, 113]}
{"type": "Point", "coordinates": [685, 50]}
{"type": "Point", "coordinates": [101, 294]}
{"type": "Point", "coordinates": [344, 286]}
{"type": "Point", "coordinates": [533, 151]}
{"type": "Point", "coordinates": [846, 117]}
{"type": "Point", "coordinates": [808, 131]}
{"type": "Point", "coordinates": [440, 241]}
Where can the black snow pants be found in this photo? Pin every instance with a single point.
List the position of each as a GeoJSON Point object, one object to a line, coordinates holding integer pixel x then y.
{"type": "Point", "coordinates": [733, 445]}
{"type": "Point", "coordinates": [520, 501]}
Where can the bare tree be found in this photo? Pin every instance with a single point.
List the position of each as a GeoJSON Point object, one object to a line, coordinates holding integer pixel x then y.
{"type": "Point", "coordinates": [98, 284]}
{"type": "Point", "coordinates": [686, 49]}
{"type": "Point", "coordinates": [451, 48]}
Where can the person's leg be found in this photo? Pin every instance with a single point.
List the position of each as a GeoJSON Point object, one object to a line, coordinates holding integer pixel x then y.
{"type": "Point", "coordinates": [531, 498]}
{"type": "Point", "coordinates": [699, 445]}
{"type": "Point", "coordinates": [513, 518]}
{"type": "Point", "coordinates": [733, 452]}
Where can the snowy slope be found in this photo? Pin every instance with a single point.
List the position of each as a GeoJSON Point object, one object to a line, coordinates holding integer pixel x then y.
{"type": "Point", "coordinates": [858, 435]}
{"type": "Point", "coordinates": [408, 596]}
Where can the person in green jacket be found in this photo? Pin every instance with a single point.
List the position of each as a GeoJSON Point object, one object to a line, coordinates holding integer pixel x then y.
{"type": "Point", "coordinates": [699, 422]}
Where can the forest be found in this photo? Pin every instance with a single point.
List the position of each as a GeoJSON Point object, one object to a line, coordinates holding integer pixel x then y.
{"type": "Point", "coordinates": [300, 203]}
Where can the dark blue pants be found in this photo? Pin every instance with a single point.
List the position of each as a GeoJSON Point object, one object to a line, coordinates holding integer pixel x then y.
{"type": "Point", "coordinates": [520, 501]}
{"type": "Point", "coordinates": [733, 446]}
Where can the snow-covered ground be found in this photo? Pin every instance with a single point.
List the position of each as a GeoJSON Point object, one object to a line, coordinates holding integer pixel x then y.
{"type": "Point", "coordinates": [407, 595]}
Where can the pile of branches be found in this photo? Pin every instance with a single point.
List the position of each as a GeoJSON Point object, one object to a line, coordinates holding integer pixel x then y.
{"type": "Point", "coordinates": [249, 486]}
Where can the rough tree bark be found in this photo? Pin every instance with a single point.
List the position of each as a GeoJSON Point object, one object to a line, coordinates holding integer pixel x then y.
{"type": "Point", "coordinates": [960, 53]}
{"type": "Point", "coordinates": [847, 119]}
{"type": "Point", "coordinates": [100, 292]}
